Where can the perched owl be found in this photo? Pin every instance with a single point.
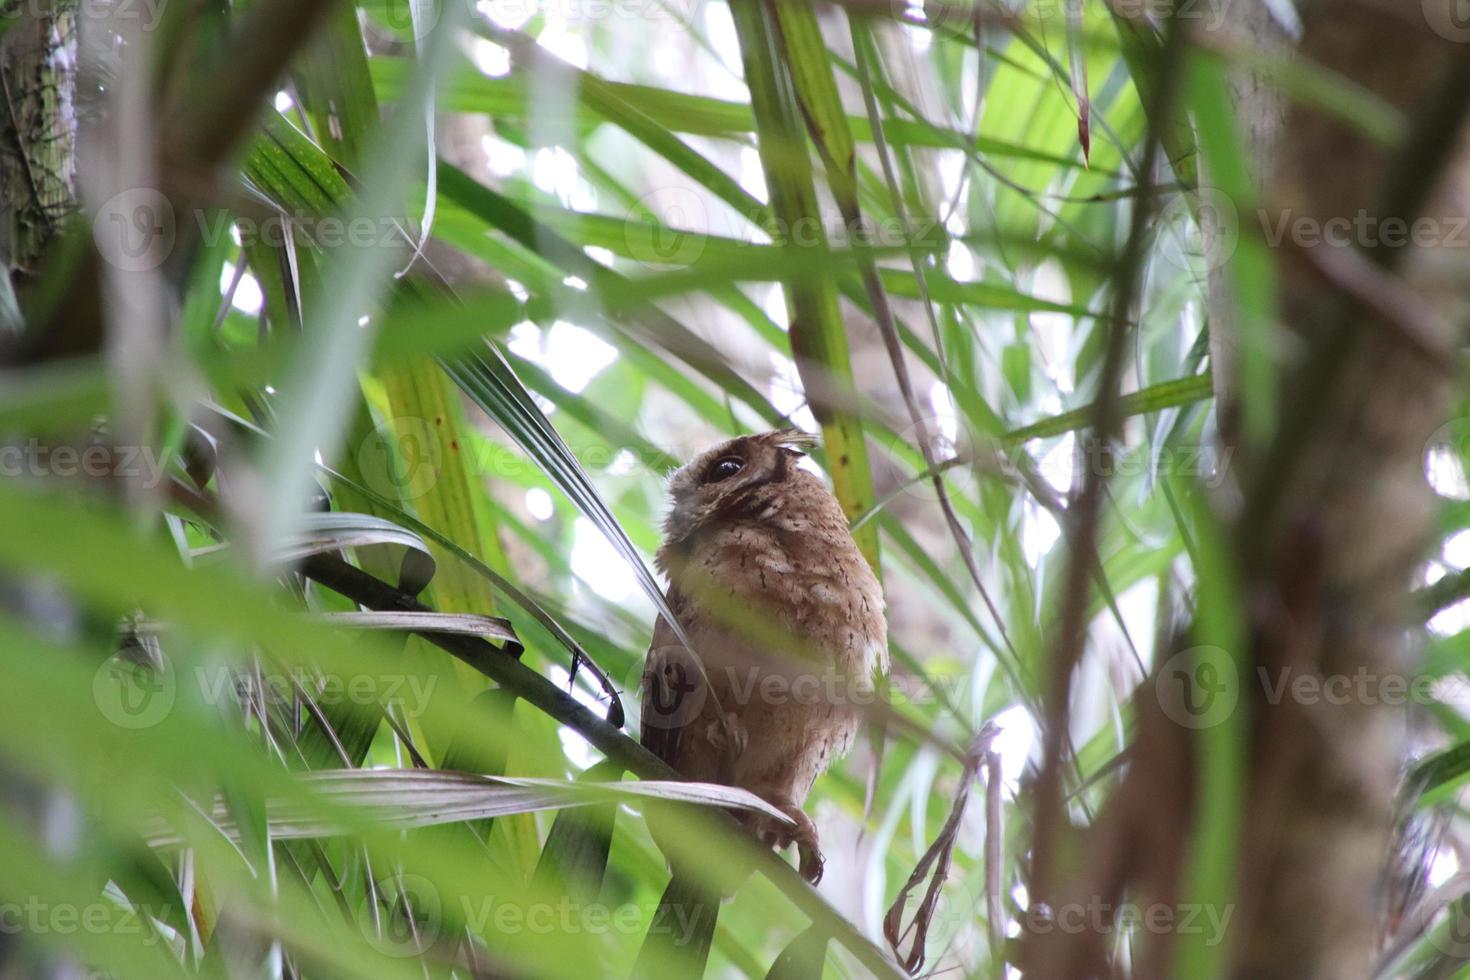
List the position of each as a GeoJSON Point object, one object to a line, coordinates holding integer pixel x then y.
{"type": "Point", "coordinates": [785, 621]}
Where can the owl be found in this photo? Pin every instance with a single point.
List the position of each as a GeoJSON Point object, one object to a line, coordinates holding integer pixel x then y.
{"type": "Point", "coordinates": [785, 625]}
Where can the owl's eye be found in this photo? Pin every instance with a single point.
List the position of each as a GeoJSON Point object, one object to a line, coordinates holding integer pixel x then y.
{"type": "Point", "coordinates": [723, 469]}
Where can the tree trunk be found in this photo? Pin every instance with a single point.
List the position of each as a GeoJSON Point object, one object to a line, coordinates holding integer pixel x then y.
{"type": "Point", "coordinates": [1338, 512]}
{"type": "Point", "coordinates": [1327, 536]}
{"type": "Point", "coordinates": [38, 54]}
{"type": "Point", "coordinates": [38, 57]}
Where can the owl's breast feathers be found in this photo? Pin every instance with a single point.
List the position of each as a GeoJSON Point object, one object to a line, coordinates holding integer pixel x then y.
{"type": "Point", "coordinates": [785, 572]}
{"type": "Point", "coordinates": [786, 620]}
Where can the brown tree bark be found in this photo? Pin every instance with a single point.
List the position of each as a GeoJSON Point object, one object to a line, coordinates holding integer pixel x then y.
{"type": "Point", "coordinates": [38, 55]}
{"type": "Point", "coordinates": [1333, 514]}
{"type": "Point", "coordinates": [1338, 511]}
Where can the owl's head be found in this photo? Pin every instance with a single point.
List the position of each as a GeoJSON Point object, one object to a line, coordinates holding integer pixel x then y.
{"type": "Point", "coordinates": [733, 479]}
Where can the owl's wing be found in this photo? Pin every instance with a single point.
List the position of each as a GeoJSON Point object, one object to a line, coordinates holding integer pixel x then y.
{"type": "Point", "coordinates": [661, 725]}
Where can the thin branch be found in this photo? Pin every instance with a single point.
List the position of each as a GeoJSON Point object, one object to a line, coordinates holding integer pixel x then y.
{"type": "Point", "coordinates": [994, 843]}
{"type": "Point", "coordinates": [494, 663]}
{"type": "Point", "coordinates": [938, 856]}
{"type": "Point", "coordinates": [526, 684]}
{"type": "Point", "coordinates": [581, 659]}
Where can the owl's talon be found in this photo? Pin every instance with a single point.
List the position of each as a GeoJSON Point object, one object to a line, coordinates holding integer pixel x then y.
{"type": "Point", "coordinates": [736, 736]}
{"type": "Point", "coordinates": [808, 852]}
{"type": "Point", "coordinates": [803, 835]}
{"type": "Point", "coordinates": [811, 861]}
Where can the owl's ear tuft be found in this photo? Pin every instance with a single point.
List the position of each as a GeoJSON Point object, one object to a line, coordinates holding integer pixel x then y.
{"type": "Point", "coordinates": [794, 441]}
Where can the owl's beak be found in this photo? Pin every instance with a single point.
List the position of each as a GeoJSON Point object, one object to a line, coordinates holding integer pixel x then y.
{"type": "Point", "coordinates": [679, 524]}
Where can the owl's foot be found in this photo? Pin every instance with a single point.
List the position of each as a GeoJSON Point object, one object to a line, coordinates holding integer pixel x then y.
{"type": "Point", "coordinates": [811, 861]}
{"type": "Point", "coordinates": [803, 835]}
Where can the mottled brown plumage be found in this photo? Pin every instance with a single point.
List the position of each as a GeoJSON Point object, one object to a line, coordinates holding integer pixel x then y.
{"type": "Point", "coordinates": [785, 620]}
